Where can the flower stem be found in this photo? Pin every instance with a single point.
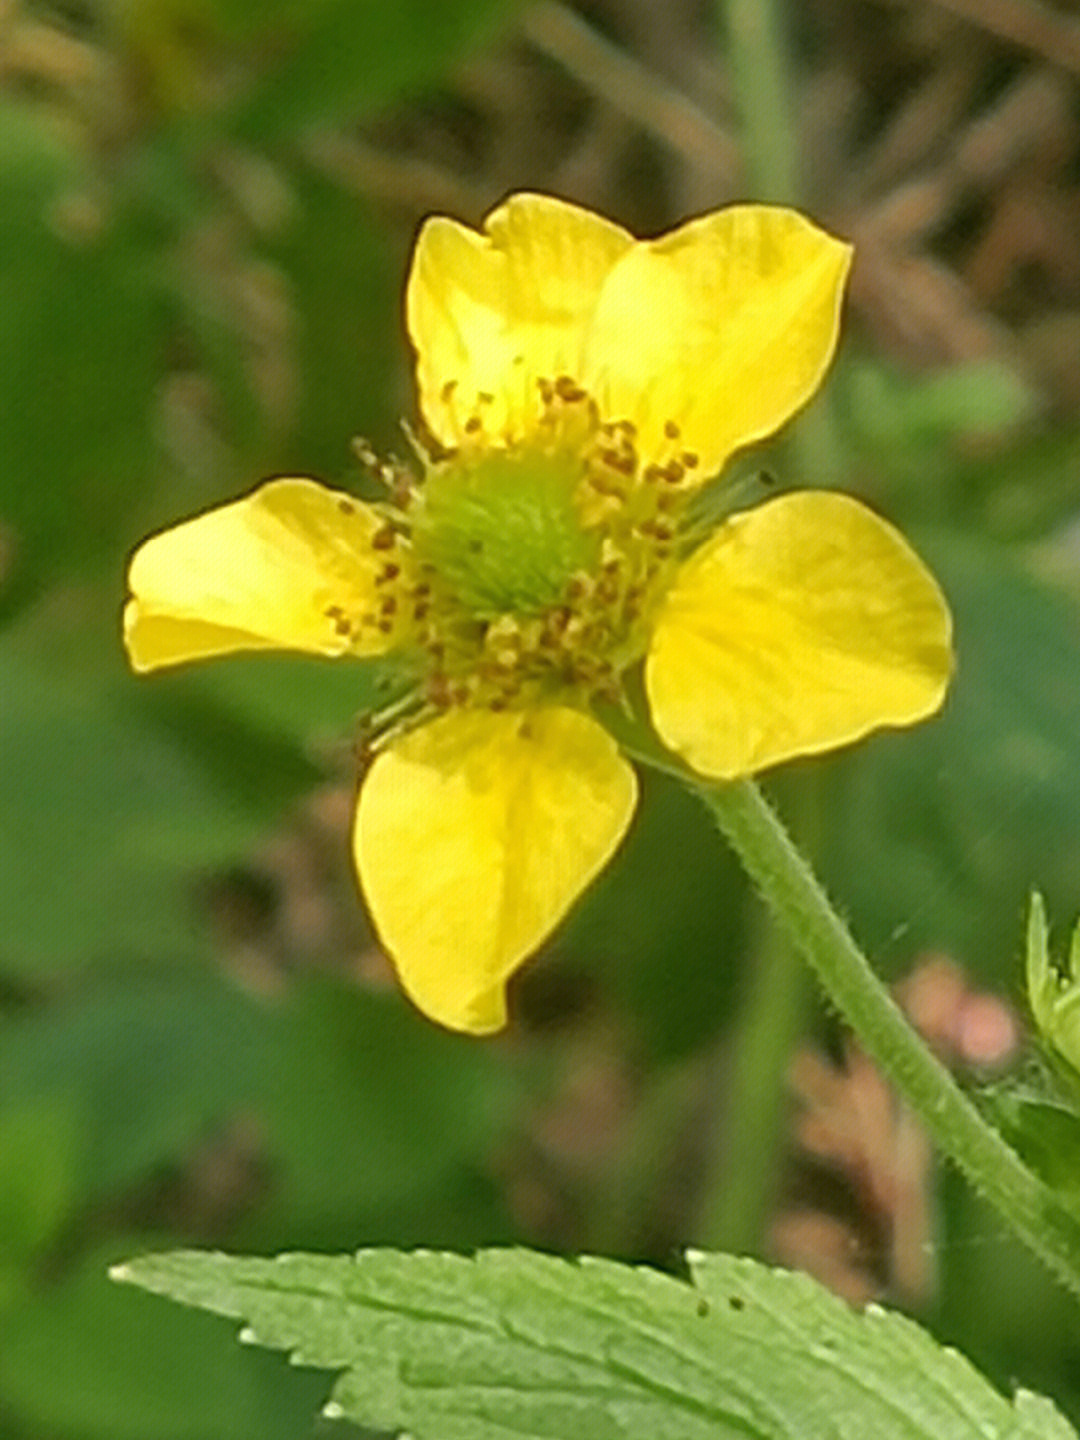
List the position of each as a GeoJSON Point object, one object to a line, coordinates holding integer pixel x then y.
{"type": "Point", "coordinates": [800, 905]}
{"type": "Point", "coordinates": [759, 63]}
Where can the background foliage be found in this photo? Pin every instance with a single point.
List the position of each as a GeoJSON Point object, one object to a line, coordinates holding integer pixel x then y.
{"type": "Point", "coordinates": [206, 208]}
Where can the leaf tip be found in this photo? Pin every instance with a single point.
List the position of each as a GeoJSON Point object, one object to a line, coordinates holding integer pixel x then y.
{"type": "Point", "coordinates": [333, 1411]}
{"type": "Point", "coordinates": [121, 1273]}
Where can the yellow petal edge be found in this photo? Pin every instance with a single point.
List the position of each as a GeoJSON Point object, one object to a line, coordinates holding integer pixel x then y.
{"type": "Point", "coordinates": [474, 835]}
{"type": "Point", "coordinates": [278, 569]}
{"type": "Point", "coordinates": [800, 626]}
{"type": "Point", "coordinates": [489, 313]}
{"type": "Point", "coordinates": [723, 328]}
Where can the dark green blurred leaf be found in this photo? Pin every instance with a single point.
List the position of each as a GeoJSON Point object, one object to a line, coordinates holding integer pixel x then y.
{"type": "Point", "coordinates": [940, 833]}
{"type": "Point", "coordinates": [370, 1109]}
{"type": "Point", "coordinates": [361, 1109]}
{"type": "Point", "coordinates": [1032, 489]}
{"type": "Point", "coordinates": [87, 1361]}
{"type": "Point", "coordinates": [904, 417]}
{"type": "Point", "coordinates": [662, 925]}
{"type": "Point", "coordinates": [39, 1149]}
{"type": "Point", "coordinates": [1044, 1131]}
{"type": "Point", "coordinates": [351, 334]}
{"type": "Point", "coordinates": [304, 699]}
{"type": "Point", "coordinates": [79, 349]}
{"type": "Point", "coordinates": [997, 1302]}
{"type": "Point", "coordinates": [361, 54]}
{"type": "Point", "coordinates": [112, 805]}
{"type": "Point", "coordinates": [150, 1064]}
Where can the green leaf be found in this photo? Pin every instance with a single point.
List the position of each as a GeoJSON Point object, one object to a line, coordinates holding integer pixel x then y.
{"type": "Point", "coordinates": [671, 897]}
{"type": "Point", "coordinates": [375, 1123]}
{"type": "Point", "coordinates": [79, 349]}
{"type": "Point", "coordinates": [39, 1146]}
{"type": "Point", "coordinates": [147, 1064]}
{"type": "Point", "coordinates": [359, 55]}
{"type": "Point", "coordinates": [350, 337]}
{"type": "Point", "coordinates": [524, 1345]}
{"type": "Point", "coordinates": [1054, 997]}
{"type": "Point", "coordinates": [113, 801]}
{"type": "Point", "coordinates": [80, 1360]}
{"type": "Point", "coordinates": [366, 1121]}
{"type": "Point", "coordinates": [1044, 1131]}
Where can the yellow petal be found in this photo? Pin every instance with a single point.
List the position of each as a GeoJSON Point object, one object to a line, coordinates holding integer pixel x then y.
{"type": "Point", "coordinates": [490, 313]}
{"type": "Point", "coordinates": [798, 627]}
{"type": "Point", "coordinates": [474, 836]}
{"type": "Point", "coordinates": [284, 568]}
{"type": "Point", "coordinates": [723, 327]}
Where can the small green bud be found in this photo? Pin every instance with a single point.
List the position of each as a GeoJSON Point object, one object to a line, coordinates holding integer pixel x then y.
{"type": "Point", "coordinates": [503, 532]}
{"type": "Point", "coordinates": [1054, 992]}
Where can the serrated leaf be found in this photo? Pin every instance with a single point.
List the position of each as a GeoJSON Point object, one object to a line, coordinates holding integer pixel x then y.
{"type": "Point", "coordinates": [515, 1344]}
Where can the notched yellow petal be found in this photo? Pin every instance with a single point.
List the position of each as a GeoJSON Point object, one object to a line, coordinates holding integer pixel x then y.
{"type": "Point", "coordinates": [800, 626]}
{"type": "Point", "coordinates": [474, 836]}
{"type": "Point", "coordinates": [490, 313]}
{"type": "Point", "coordinates": [290, 566]}
{"type": "Point", "coordinates": [723, 328]}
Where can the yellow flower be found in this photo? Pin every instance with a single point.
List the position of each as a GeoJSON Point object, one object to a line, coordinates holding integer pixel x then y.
{"type": "Point", "coordinates": [576, 387]}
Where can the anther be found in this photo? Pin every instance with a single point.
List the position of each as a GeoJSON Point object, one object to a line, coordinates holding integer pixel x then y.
{"type": "Point", "coordinates": [690, 460]}
{"type": "Point", "coordinates": [671, 430]}
{"type": "Point", "coordinates": [346, 507]}
{"type": "Point", "coordinates": [568, 390]}
{"type": "Point", "coordinates": [473, 425]}
{"type": "Point", "coordinates": [446, 394]}
{"type": "Point", "coordinates": [437, 691]}
{"type": "Point", "coordinates": [384, 538]}
{"type": "Point", "coordinates": [390, 571]}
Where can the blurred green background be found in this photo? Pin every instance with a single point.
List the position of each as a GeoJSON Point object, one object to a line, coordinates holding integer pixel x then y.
{"type": "Point", "coordinates": [206, 209]}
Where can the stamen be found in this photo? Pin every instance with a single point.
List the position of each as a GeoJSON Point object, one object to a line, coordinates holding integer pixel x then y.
{"type": "Point", "coordinates": [516, 644]}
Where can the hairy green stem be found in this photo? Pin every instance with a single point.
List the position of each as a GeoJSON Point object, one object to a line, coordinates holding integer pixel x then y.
{"type": "Point", "coordinates": [800, 905]}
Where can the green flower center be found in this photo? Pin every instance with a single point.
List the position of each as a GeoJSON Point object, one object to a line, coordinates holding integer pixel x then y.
{"type": "Point", "coordinates": [502, 531]}
{"type": "Point", "coordinates": [529, 569]}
